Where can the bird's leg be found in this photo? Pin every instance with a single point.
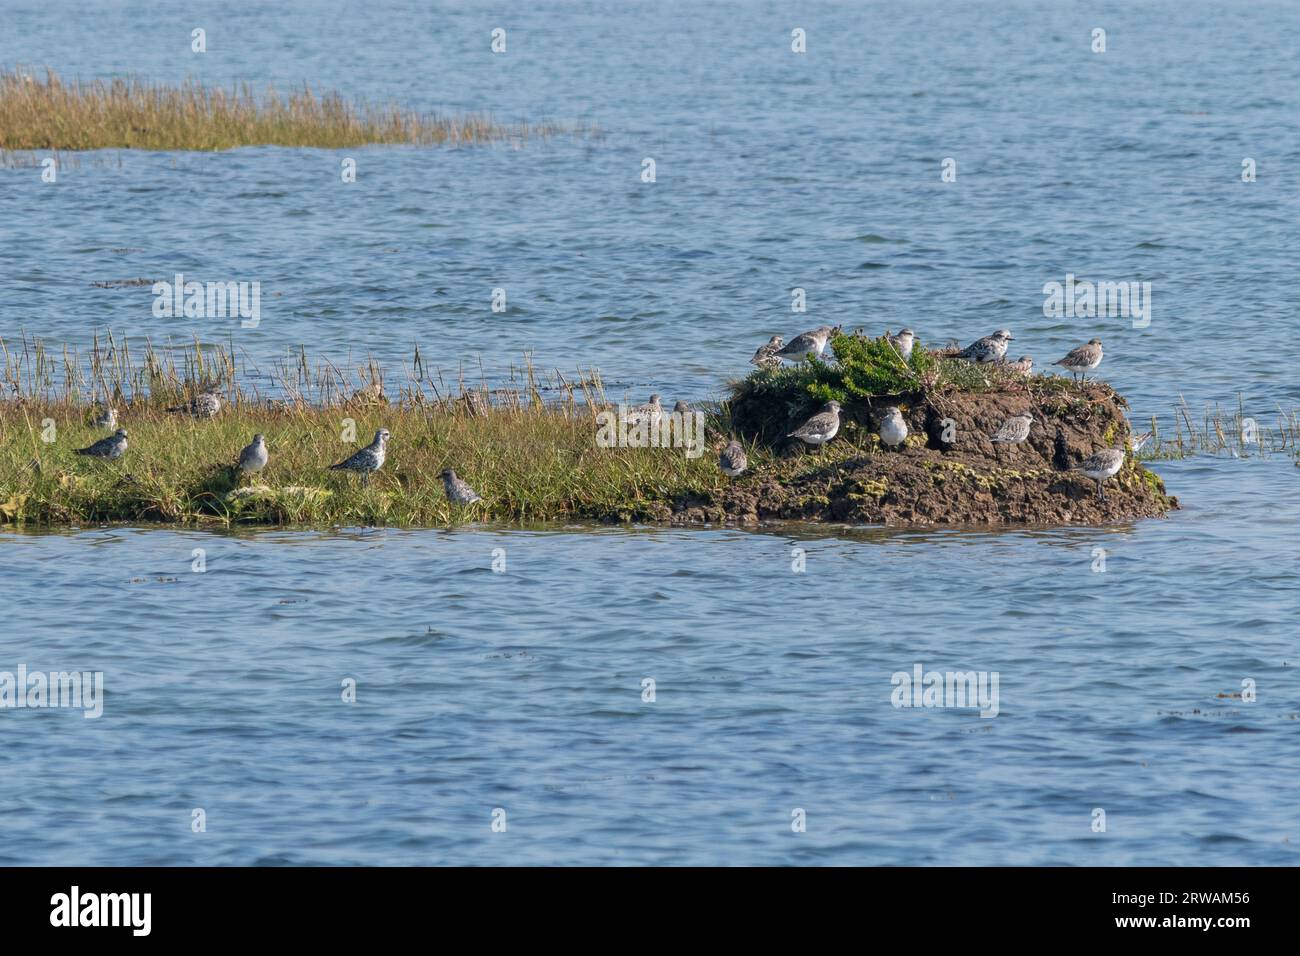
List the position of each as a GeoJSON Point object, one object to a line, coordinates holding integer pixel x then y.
{"type": "Point", "coordinates": [1101, 495]}
{"type": "Point", "coordinates": [365, 479]}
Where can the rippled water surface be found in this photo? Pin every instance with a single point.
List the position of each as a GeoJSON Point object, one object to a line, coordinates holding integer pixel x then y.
{"type": "Point", "coordinates": [522, 690]}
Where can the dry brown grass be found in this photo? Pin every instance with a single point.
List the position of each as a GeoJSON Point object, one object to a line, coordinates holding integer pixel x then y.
{"type": "Point", "coordinates": [42, 112]}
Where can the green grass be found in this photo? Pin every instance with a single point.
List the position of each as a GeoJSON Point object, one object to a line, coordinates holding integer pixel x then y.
{"type": "Point", "coordinates": [530, 463]}
{"type": "Point", "coordinates": [42, 112]}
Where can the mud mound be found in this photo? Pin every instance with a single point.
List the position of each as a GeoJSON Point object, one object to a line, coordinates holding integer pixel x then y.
{"type": "Point", "coordinates": [949, 472]}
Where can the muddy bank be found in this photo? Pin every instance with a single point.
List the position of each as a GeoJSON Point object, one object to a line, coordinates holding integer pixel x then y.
{"type": "Point", "coordinates": [948, 473]}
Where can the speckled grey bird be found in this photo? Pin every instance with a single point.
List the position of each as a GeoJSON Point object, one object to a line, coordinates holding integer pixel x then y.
{"type": "Point", "coordinates": [114, 446]}
{"type": "Point", "coordinates": [991, 348]}
{"type": "Point", "coordinates": [204, 405]}
{"type": "Point", "coordinates": [367, 460]}
{"type": "Point", "coordinates": [733, 461]}
{"type": "Point", "coordinates": [1015, 430]}
{"type": "Point", "coordinates": [902, 343]}
{"type": "Point", "coordinates": [254, 457]}
{"type": "Point", "coordinates": [809, 343]}
{"type": "Point", "coordinates": [1022, 366]}
{"type": "Point", "coordinates": [893, 427]}
{"type": "Point", "coordinates": [458, 492]}
{"type": "Point", "coordinates": [651, 412]}
{"type": "Point", "coordinates": [1082, 360]}
{"type": "Point", "coordinates": [107, 418]}
{"type": "Point", "coordinates": [1104, 464]}
{"type": "Point", "coordinates": [766, 356]}
{"type": "Point", "coordinates": [821, 428]}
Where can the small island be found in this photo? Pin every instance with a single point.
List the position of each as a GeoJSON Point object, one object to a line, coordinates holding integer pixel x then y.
{"type": "Point", "coordinates": [533, 454]}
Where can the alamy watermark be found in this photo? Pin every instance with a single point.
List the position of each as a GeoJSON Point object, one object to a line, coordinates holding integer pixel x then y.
{"type": "Point", "coordinates": [923, 688]}
{"type": "Point", "coordinates": [1081, 299]}
{"type": "Point", "coordinates": [83, 689]}
{"type": "Point", "coordinates": [668, 430]}
{"type": "Point", "coordinates": [209, 300]}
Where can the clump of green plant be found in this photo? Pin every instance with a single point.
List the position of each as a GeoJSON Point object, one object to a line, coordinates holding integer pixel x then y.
{"type": "Point", "coordinates": [769, 399]}
{"type": "Point", "coordinates": [865, 368]}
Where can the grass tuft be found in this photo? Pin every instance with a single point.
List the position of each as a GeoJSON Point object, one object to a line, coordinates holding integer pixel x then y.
{"type": "Point", "coordinates": [42, 112]}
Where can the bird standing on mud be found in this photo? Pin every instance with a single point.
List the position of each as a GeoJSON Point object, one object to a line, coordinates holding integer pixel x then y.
{"type": "Point", "coordinates": [991, 348]}
{"type": "Point", "coordinates": [1015, 430]}
{"type": "Point", "coordinates": [1082, 360]}
{"type": "Point", "coordinates": [1104, 464]}
{"type": "Point", "coordinates": [367, 460]}
{"type": "Point", "coordinates": [821, 428]}
{"type": "Point", "coordinates": [114, 446]}
{"type": "Point", "coordinates": [893, 428]}
{"type": "Point", "coordinates": [733, 461]}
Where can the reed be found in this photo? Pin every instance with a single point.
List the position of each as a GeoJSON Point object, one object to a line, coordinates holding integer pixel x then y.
{"type": "Point", "coordinates": [42, 112]}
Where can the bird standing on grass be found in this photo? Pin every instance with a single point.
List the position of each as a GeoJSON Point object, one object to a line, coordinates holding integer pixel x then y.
{"type": "Point", "coordinates": [902, 343]}
{"type": "Point", "coordinates": [254, 457]}
{"type": "Point", "coordinates": [733, 461]}
{"type": "Point", "coordinates": [367, 460]}
{"type": "Point", "coordinates": [809, 343]}
{"type": "Point", "coordinates": [1082, 360]}
{"type": "Point", "coordinates": [458, 491]}
{"type": "Point", "coordinates": [204, 405]}
{"type": "Point", "coordinates": [821, 428]}
{"type": "Point", "coordinates": [991, 348]}
{"type": "Point", "coordinates": [651, 412]}
{"type": "Point", "coordinates": [107, 418]}
{"type": "Point", "coordinates": [114, 446]}
{"type": "Point", "coordinates": [766, 356]}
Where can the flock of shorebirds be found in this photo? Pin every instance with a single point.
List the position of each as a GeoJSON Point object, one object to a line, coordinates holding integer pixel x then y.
{"type": "Point", "coordinates": [992, 349]}
{"type": "Point", "coordinates": [733, 461]}
{"type": "Point", "coordinates": [255, 456]}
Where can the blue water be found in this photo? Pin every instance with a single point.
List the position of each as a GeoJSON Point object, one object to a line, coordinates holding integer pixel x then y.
{"type": "Point", "coordinates": [522, 690]}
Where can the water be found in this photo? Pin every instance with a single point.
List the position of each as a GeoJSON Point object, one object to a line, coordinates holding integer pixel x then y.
{"type": "Point", "coordinates": [523, 690]}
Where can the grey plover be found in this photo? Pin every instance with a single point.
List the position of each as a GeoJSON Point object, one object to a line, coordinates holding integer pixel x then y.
{"type": "Point", "coordinates": [114, 446]}
{"type": "Point", "coordinates": [1023, 365]}
{"type": "Point", "coordinates": [105, 418]}
{"type": "Point", "coordinates": [651, 412]}
{"type": "Point", "coordinates": [254, 457]}
{"type": "Point", "coordinates": [893, 429]}
{"type": "Point", "coordinates": [681, 408]}
{"type": "Point", "coordinates": [733, 461]}
{"type": "Point", "coordinates": [458, 492]}
{"type": "Point", "coordinates": [1015, 430]}
{"type": "Point", "coordinates": [203, 405]}
{"type": "Point", "coordinates": [1104, 464]}
{"type": "Point", "coordinates": [991, 348]}
{"type": "Point", "coordinates": [1082, 360]}
{"type": "Point", "coordinates": [809, 343]}
{"type": "Point", "coordinates": [766, 356]}
{"type": "Point", "coordinates": [368, 459]}
{"type": "Point", "coordinates": [902, 343]}
{"type": "Point", "coordinates": [821, 428]}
